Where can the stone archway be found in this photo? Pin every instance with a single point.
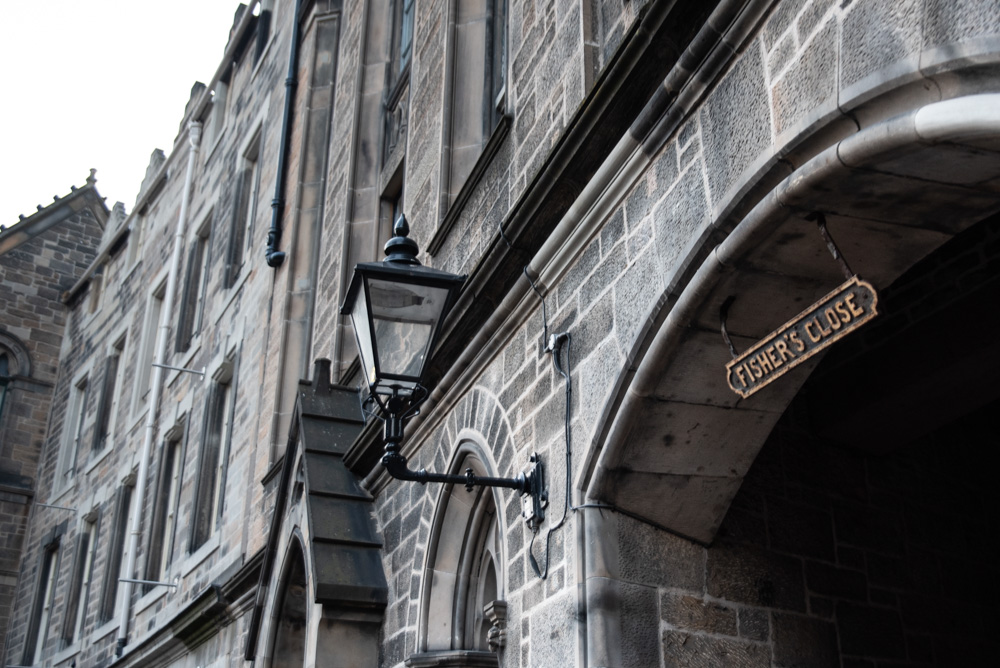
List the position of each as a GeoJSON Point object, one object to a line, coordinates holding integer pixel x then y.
{"type": "Point", "coordinates": [290, 623]}
{"type": "Point", "coordinates": [861, 538]}
{"type": "Point", "coordinates": [680, 442]}
{"type": "Point", "coordinates": [463, 592]}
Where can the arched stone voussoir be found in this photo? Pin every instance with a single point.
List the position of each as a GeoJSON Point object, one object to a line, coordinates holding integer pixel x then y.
{"type": "Point", "coordinates": [680, 442]}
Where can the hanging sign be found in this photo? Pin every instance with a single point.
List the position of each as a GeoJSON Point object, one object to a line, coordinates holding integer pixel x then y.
{"type": "Point", "coordinates": [825, 322]}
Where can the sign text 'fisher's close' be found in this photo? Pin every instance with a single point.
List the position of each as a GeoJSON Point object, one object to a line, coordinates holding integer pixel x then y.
{"type": "Point", "coordinates": [828, 320]}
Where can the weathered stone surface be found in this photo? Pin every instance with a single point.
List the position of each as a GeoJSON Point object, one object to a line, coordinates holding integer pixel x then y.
{"type": "Point", "coordinates": [553, 621]}
{"type": "Point", "coordinates": [690, 439]}
{"type": "Point", "coordinates": [812, 17]}
{"type": "Point", "coordinates": [653, 557]}
{"type": "Point", "coordinates": [782, 18]}
{"type": "Point", "coordinates": [808, 89]}
{"type": "Point", "coordinates": [868, 528]}
{"type": "Point", "coordinates": [680, 218]}
{"type": "Point", "coordinates": [736, 124]}
{"type": "Point", "coordinates": [801, 642]}
{"type": "Point", "coordinates": [870, 631]}
{"type": "Point", "coordinates": [683, 650]}
{"type": "Point", "coordinates": [835, 582]}
{"type": "Point", "coordinates": [636, 290]}
{"type": "Point", "coordinates": [801, 529]}
{"type": "Point", "coordinates": [690, 613]}
{"type": "Point", "coordinates": [640, 631]}
{"type": "Point", "coordinates": [749, 575]}
{"type": "Point", "coordinates": [880, 43]}
{"type": "Point", "coordinates": [946, 21]}
{"type": "Point", "coordinates": [754, 624]}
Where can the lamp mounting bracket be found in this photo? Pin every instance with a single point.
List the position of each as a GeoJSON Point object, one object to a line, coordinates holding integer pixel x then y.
{"type": "Point", "coordinates": [530, 483]}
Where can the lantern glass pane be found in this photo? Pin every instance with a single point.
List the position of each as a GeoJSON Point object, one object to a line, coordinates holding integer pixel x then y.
{"type": "Point", "coordinates": [405, 317]}
{"type": "Point", "coordinates": [362, 329]}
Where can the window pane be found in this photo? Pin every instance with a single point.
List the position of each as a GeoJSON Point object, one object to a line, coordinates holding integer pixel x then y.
{"type": "Point", "coordinates": [359, 315]}
{"type": "Point", "coordinates": [404, 317]}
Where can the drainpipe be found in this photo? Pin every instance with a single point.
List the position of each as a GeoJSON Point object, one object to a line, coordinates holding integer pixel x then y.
{"type": "Point", "coordinates": [273, 255]}
{"type": "Point", "coordinates": [167, 311]}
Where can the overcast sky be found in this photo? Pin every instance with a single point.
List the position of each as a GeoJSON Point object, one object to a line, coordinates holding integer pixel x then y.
{"type": "Point", "coordinates": [97, 83]}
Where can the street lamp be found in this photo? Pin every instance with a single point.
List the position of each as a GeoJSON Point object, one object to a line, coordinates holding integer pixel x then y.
{"type": "Point", "coordinates": [397, 307]}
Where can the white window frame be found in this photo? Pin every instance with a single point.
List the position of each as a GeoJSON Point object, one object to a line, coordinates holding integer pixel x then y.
{"type": "Point", "coordinates": [119, 348]}
{"type": "Point", "coordinates": [150, 331]}
{"type": "Point", "coordinates": [48, 594]}
{"type": "Point", "coordinates": [83, 594]}
{"type": "Point", "coordinates": [176, 445]}
{"type": "Point", "coordinates": [74, 428]}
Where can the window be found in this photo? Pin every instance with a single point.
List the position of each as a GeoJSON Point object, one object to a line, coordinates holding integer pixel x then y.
{"type": "Point", "coordinates": [165, 509]}
{"type": "Point", "coordinates": [479, 87]}
{"type": "Point", "coordinates": [95, 290]}
{"type": "Point", "coordinates": [15, 362]}
{"type": "Point", "coordinates": [154, 311]}
{"type": "Point", "coordinates": [397, 101]}
{"type": "Point", "coordinates": [402, 39]}
{"type": "Point", "coordinates": [497, 61]}
{"type": "Point", "coordinates": [37, 632]}
{"type": "Point", "coordinates": [391, 208]}
{"type": "Point", "coordinates": [214, 455]}
{"type": "Point", "coordinates": [114, 568]}
{"type": "Point", "coordinates": [466, 560]}
{"type": "Point", "coordinates": [136, 237]}
{"type": "Point", "coordinates": [195, 286]}
{"type": "Point", "coordinates": [291, 622]}
{"type": "Point", "coordinates": [264, 11]}
{"type": "Point", "coordinates": [76, 420]}
{"type": "Point", "coordinates": [76, 608]}
{"type": "Point", "coordinates": [244, 208]}
{"type": "Point", "coordinates": [4, 378]}
{"type": "Point", "coordinates": [215, 121]}
{"type": "Point", "coordinates": [108, 408]}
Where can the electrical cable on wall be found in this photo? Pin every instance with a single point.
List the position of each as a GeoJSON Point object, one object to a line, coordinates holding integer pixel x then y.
{"type": "Point", "coordinates": [559, 345]}
{"type": "Point", "coordinates": [556, 345]}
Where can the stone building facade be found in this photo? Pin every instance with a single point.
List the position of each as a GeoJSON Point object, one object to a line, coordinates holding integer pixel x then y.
{"type": "Point", "coordinates": [40, 258]}
{"type": "Point", "coordinates": [636, 191]}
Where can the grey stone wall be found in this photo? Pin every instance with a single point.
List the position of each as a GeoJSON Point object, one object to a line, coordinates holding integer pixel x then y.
{"type": "Point", "coordinates": [234, 325]}
{"type": "Point", "coordinates": [795, 74]}
{"type": "Point", "coordinates": [809, 73]}
{"type": "Point", "coordinates": [34, 273]}
{"type": "Point", "coordinates": [827, 558]}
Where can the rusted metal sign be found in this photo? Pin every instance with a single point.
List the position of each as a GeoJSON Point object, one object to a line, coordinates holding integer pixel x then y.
{"type": "Point", "coordinates": [830, 319]}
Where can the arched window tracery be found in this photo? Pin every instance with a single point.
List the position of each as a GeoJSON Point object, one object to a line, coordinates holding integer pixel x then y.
{"type": "Point", "coordinates": [290, 622]}
{"type": "Point", "coordinates": [462, 603]}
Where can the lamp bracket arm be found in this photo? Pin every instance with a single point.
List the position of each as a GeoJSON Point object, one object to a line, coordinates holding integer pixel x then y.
{"type": "Point", "coordinates": [528, 484]}
{"type": "Point", "coordinates": [396, 466]}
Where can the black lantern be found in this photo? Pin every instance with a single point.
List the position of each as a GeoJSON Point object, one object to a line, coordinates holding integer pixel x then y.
{"type": "Point", "coordinates": [397, 307]}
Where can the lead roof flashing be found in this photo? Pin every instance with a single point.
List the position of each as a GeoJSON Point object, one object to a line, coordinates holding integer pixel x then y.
{"type": "Point", "coordinates": [344, 550]}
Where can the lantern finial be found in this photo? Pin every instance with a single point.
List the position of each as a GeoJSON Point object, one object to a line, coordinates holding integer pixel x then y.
{"type": "Point", "coordinates": [401, 248]}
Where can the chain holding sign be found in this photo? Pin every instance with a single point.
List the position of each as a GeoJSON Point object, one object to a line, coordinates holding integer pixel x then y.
{"type": "Point", "coordinates": [833, 317]}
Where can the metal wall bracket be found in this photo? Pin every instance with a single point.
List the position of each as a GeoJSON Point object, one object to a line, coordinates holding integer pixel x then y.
{"type": "Point", "coordinates": [723, 314]}
{"type": "Point", "coordinates": [838, 256]}
{"type": "Point", "coordinates": [180, 368]}
{"type": "Point", "coordinates": [830, 243]}
{"type": "Point", "coordinates": [530, 484]}
{"type": "Point", "coordinates": [49, 505]}
{"type": "Point", "coordinates": [148, 582]}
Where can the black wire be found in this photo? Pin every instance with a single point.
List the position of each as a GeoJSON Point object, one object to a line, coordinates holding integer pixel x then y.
{"type": "Point", "coordinates": [556, 355]}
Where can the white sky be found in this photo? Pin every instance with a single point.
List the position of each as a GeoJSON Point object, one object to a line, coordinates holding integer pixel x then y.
{"type": "Point", "coordinates": [97, 83]}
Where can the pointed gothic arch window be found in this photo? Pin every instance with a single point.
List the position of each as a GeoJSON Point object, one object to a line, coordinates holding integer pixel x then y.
{"type": "Point", "coordinates": [4, 377]}
{"type": "Point", "coordinates": [464, 586]}
{"type": "Point", "coordinates": [289, 625]}
{"type": "Point", "coordinates": [15, 363]}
